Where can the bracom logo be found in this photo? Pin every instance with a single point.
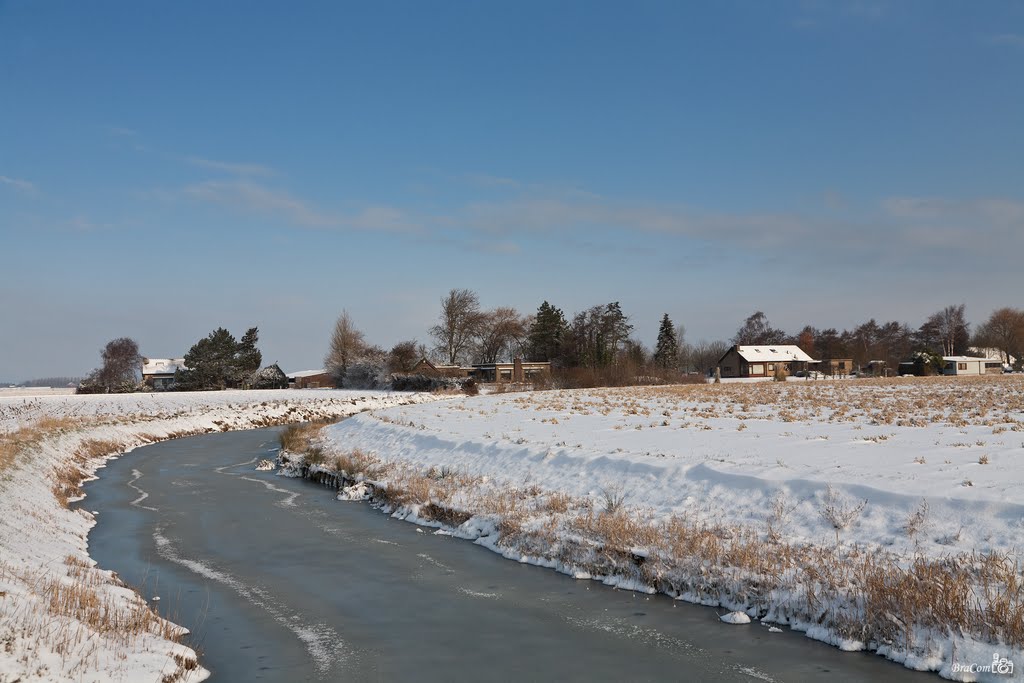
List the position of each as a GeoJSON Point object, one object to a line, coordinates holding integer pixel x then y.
{"type": "Point", "coordinates": [1001, 666]}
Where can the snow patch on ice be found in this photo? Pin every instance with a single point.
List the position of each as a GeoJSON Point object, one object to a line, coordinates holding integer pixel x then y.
{"type": "Point", "coordinates": [735, 618]}
{"type": "Point", "coordinates": [136, 475]}
{"type": "Point", "coordinates": [290, 496]}
{"type": "Point", "coordinates": [478, 594]}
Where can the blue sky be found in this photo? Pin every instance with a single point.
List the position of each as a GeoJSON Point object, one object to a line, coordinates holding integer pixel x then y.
{"type": "Point", "coordinates": [167, 168]}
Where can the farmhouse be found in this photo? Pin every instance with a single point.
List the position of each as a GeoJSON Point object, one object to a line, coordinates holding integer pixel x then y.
{"type": "Point", "coordinates": [968, 365]}
{"type": "Point", "coordinates": [158, 373]}
{"type": "Point", "coordinates": [763, 361]}
{"type": "Point", "coordinates": [310, 379]}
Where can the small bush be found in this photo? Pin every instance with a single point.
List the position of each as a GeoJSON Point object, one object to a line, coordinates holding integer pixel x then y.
{"type": "Point", "coordinates": [299, 437]}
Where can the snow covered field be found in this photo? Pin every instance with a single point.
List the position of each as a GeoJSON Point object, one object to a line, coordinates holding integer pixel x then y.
{"type": "Point", "coordinates": [863, 473]}
{"type": "Point", "coordinates": [61, 618]}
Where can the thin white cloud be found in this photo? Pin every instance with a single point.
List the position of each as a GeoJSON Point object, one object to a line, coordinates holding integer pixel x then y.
{"type": "Point", "coordinates": [545, 215]}
{"type": "Point", "coordinates": [121, 131]}
{"type": "Point", "coordinates": [904, 230]}
{"type": "Point", "coordinates": [488, 180]}
{"type": "Point", "coordinates": [274, 203]}
{"type": "Point", "coordinates": [19, 185]}
{"type": "Point", "coordinates": [234, 168]}
{"type": "Point", "coordinates": [1011, 39]}
{"type": "Point", "coordinates": [989, 226]}
{"type": "Point", "coordinates": [986, 211]}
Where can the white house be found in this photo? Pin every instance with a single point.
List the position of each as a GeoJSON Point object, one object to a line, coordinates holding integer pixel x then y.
{"type": "Point", "coordinates": [763, 361]}
{"type": "Point", "coordinates": [992, 354]}
{"type": "Point", "coordinates": [158, 373]}
{"type": "Point", "coordinates": [969, 365]}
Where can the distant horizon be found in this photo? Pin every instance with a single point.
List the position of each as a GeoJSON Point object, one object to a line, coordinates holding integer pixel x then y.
{"type": "Point", "coordinates": [173, 169]}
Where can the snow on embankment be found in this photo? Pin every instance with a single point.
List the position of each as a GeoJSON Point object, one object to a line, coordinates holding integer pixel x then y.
{"type": "Point", "coordinates": [832, 507]}
{"type": "Point", "coordinates": [60, 616]}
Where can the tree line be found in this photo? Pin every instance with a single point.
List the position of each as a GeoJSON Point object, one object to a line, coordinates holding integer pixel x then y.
{"type": "Point", "coordinates": [600, 341]}
{"type": "Point", "coordinates": [943, 333]}
{"type": "Point", "coordinates": [217, 361]}
{"type": "Point", "coordinates": [594, 346]}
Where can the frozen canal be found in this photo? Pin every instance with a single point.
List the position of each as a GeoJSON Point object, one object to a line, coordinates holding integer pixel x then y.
{"type": "Point", "coordinates": [278, 581]}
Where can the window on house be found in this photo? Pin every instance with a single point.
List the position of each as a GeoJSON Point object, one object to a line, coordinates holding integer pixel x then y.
{"type": "Point", "coordinates": [961, 366]}
{"type": "Point", "coordinates": [771, 368]}
{"type": "Point", "coordinates": [842, 365]}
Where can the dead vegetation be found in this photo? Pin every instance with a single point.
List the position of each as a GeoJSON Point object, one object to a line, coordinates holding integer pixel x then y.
{"type": "Point", "coordinates": [21, 439]}
{"type": "Point", "coordinates": [83, 617]}
{"type": "Point", "coordinates": [69, 474]}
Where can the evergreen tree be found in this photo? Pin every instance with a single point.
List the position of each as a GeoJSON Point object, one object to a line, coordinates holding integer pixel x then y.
{"type": "Point", "coordinates": [613, 334]}
{"type": "Point", "coordinates": [544, 340]}
{"type": "Point", "coordinates": [667, 350]}
{"type": "Point", "coordinates": [218, 361]}
{"type": "Point", "coordinates": [247, 357]}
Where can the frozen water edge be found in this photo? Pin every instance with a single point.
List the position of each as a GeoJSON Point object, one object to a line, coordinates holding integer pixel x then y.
{"type": "Point", "coordinates": [729, 467]}
{"type": "Point", "coordinates": [44, 544]}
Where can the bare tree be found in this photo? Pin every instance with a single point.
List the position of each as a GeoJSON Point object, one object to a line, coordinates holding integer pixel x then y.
{"type": "Point", "coordinates": [502, 333]}
{"type": "Point", "coordinates": [947, 330]}
{"type": "Point", "coordinates": [403, 356]}
{"type": "Point", "coordinates": [757, 330]}
{"type": "Point", "coordinates": [705, 355]}
{"type": "Point", "coordinates": [347, 344]}
{"type": "Point", "coordinates": [1004, 330]}
{"type": "Point", "coordinates": [459, 324]}
{"type": "Point", "coordinates": [121, 369]}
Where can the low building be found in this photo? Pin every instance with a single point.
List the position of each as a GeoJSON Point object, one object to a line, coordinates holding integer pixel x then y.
{"type": "Point", "coordinates": [431, 369]}
{"type": "Point", "coordinates": [158, 373]}
{"type": "Point", "coordinates": [993, 354]}
{"type": "Point", "coordinates": [310, 379]}
{"type": "Point", "coordinates": [270, 377]}
{"type": "Point", "coordinates": [969, 365]}
{"type": "Point", "coordinates": [835, 367]}
{"type": "Point", "coordinates": [518, 371]}
{"type": "Point", "coordinates": [763, 361]}
{"type": "Point", "coordinates": [879, 368]}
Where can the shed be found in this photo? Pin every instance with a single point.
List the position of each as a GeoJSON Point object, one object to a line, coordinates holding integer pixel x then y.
{"type": "Point", "coordinates": [310, 379]}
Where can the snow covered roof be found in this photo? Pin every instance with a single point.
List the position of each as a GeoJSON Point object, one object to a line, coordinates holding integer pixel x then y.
{"type": "Point", "coordinates": [782, 353]}
{"type": "Point", "coordinates": [992, 354]}
{"type": "Point", "coordinates": [964, 359]}
{"type": "Point", "coordinates": [306, 373]}
{"type": "Point", "coordinates": [162, 366]}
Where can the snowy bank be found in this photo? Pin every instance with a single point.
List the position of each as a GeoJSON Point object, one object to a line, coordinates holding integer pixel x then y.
{"type": "Point", "coordinates": [61, 617]}
{"type": "Point", "coordinates": [817, 505]}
